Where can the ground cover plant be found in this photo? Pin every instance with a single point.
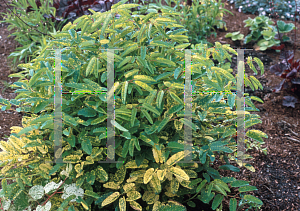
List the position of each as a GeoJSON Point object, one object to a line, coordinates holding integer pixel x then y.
{"type": "Point", "coordinates": [288, 68]}
{"type": "Point", "coordinates": [264, 32]}
{"type": "Point", "coordinates": [284, 9]}
{"type": "Point", "coordinates": [149, 109]}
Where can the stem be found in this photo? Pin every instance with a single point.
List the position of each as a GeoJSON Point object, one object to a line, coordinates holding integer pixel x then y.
{"type": "Point", "coordinates": [55, 191]}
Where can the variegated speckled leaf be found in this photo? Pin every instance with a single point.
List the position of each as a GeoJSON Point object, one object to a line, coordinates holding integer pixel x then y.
{"type": "Point", "coordinates": [110, 199]}
{"type": "Point", "coordinates": [148, 175]}
{"type": "Point", "coordinates": [179, 173]}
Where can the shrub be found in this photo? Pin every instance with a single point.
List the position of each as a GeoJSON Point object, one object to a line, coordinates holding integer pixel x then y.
{"type": "Point", "coordinates": [200, 19]}
{"type": "Point", "coordinates": [149, 88]}
{"type": "Point", "coordinates": [30, 26]}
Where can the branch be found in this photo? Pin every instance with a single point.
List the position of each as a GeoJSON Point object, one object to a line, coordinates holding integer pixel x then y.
{"type": "Point", "coordinates": [25, 22]}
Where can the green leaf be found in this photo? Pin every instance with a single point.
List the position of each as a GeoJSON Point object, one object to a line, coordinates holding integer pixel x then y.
{"type": "Point", "coordinates": [217, 201]}
{"type": "Point", "coordinates": [189, 123]}
{"type": "Point", "coordinates": [99, 120]}
{"type": "Point", "coordinates": [125, 149]}
{"type": "Point", "coordinates": [256, 98]}
{"type": "Point", "coordinates": [163, 123]}
{"type": "Point", "coordinates": [159, 98]}
{"type": "Point", "coordinates": [91, 66]}
{"type": "Point", "coordinates": [27, 129]}
{"type": "Point", "coordinates": [260, 64]}
{"type": "Point", "coordinates": [247, 188]}
{"type": "Point", "coordinates": [126, 60]}
{"type": "Point", "coordinates": [144, 86]}
{"type": "Point", "coordinates": [191, 204]}
{"type": "Point", "coordinates": [124, 91]}
{"type": "Point", "coordinates": [150, 108]}
{"type": "Point", "coordinates": [162, 44]}
{"type": "Point", "coordinates": [137, 144]}
{"type": "Point", "coordinates": [232, 204]}
{"type": "Point", "coordinates": [229, 167]}
{"type": "Point", "coordinates": [225, 73]}
{"type": "Point", "coordinates": [253, 199]}
{"type": "Point", "coordinates": [256, 135]}
{"type": "Point", "coordinates": [239, 183]}
{"type": "Point", "coordinates": [130, 49]}
{"type": "Point", "coordinates": [87, 146]}
{"type": "Point", "coordinates": [144, 78]}
{"type": "Point", "coordinates": [65, 203]}
{"type": "Point", "coordinates": [174, 109]}
{"type": "Point", "coordinates": [133, 115]}
{"type": "Point", "coordinates": [131, 147]}
{"type": "Point", "coordinates": [146, 139]}
{"type": "Point", "coordinates": [202, 184]}
{"type": "Point", "coordinates": [110, 199]}
{"type": "Point", "coordinates": [105, 24]}
{"type": "Point", "coordinates": [143, 52]}
{"type": "Point", "coordinates": [175, 97]}
{"type": "Point", "coordinates": [164, 61]}
{"type": "Point", "coordinates": [117, 125]}
{"type": "Point", "coordinates": [147, 115]}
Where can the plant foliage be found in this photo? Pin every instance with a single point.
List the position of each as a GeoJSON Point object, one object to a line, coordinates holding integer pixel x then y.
{"type": "Point", "coordinates": [149, 118]}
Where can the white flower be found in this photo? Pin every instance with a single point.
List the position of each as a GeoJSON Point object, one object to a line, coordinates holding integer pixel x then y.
{"type": "Point", "coordinates": [47, 207]}
{"type": "Point", "coordinates": [240, 10]}
{"type": "Point", "coordinates": [51, 186]}
{"type": "Point", "coordinates": [72, 190]}
{"type": "Point", "coordinates": [263, 13]}
{"type": "Point", "coordinates": [290, 6]}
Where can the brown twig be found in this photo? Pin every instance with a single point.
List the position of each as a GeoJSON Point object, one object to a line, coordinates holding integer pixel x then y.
{"type": "Point", "coordinates": [26, 23]}
{"type": "Point", "coordinates": [269, 189]}
{"type": "Point", "coordinates": [293, 139]}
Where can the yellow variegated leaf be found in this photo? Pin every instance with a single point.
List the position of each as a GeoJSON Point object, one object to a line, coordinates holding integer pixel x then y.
{"type": "Point", "coordinates": [135, 206]}
{"type": "Point", "coordinates": [110, 199]}
{"type": "Point", "coordinates": [174, 186]}
{"type": "Point", "coordinates": [149, 197]}
{"type": "Point", "coordinates": [133, 195]}
{"type": "Point", "coordinates": [161, 174]}
{"type": "Point", "coordinates": [104, 41]}
{"type": "Point", "coordinates": [111, 185]}
{"type": "Point", "coordinates": [144, 78]}
{"type": "Point", "coordinates": [165, 61]}
{"type": "Point", "coordinates": [128, 187]}
{"type": "Point", "coordinates": [122, 204]}
{"type": "Point", "coordinates": [144, 86]}
{"type": "Point", "coordinates": [155, 154]}
{"type": "Point", "coordinates": [148, 175]}
{"type": "Point", "coordinates": [176, 157]}
{"type": "Point", "coordinates": [91, 66]}
{"type": "Point", "coordinates": [155, 183]}
{"type": "Point", "coordinates": [179, 173]}
{"type": "Point", "coordinates": [132, 164]}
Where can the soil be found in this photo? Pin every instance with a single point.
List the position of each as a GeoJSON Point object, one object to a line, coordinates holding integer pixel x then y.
{"type": "Point", "coordinates": [276, 174]}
